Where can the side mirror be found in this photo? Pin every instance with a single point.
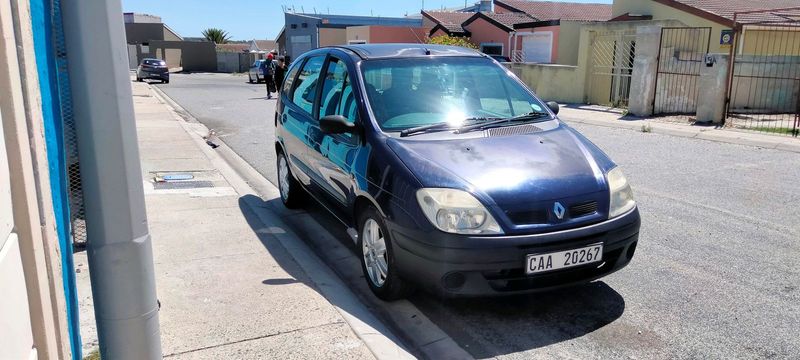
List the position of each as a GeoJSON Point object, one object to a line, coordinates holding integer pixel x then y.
{"type": "Point", "coordinates": [337, 124]}
{"type": "Point", "coordinates": [553, 106]}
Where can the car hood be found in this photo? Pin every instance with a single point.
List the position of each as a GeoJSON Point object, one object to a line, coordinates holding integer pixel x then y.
{"type": "Point", "coordinates": [513, 172]}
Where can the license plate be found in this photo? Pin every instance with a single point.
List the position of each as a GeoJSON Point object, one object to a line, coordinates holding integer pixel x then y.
{"type": "Point", "coordinates": [539, 263]}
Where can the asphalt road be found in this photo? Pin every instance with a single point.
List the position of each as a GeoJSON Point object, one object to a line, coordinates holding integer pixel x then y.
{"type": "Point", "coordinates": [716, 273]}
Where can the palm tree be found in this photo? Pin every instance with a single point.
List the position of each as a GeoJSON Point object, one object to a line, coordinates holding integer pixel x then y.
{"type": "Point", "coordinates": [217, 36]}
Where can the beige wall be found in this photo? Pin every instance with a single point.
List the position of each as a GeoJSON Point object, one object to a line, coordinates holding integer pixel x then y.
{"type": "Point", "coordinates": [569, 37]}
{"type": "Point", "coordinates": [328, 37]}
{"type": "Point", "coordinates": [194, 55]}
{"type": "Point", "coordinates": [396, 34]}
{"type": "Point", "coordinates": [663, 12]}
{"type": "Point", "coordinates": [551, 82]}
{"type": "Point", "coordinates": [144, 32]}
{"type": "Point", "coordinates": [358, 33]}
{"type": "Point", "coordinates": [770, 42]}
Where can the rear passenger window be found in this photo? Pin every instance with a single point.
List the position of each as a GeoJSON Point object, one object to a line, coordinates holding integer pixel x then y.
{"type": "Point", "coordinates": [337, 92]}
{"type": "Point", "coordinates": [306, 84]}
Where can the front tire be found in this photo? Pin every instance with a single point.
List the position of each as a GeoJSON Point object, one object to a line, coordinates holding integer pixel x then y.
{"type": "Point", "coordinates": [291, 193]}
{"type": "Point", "coordinates": [377, 258]}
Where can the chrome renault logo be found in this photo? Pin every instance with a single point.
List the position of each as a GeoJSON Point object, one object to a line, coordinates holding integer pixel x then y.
{"type": "Point", "coordinates": [558, 209]}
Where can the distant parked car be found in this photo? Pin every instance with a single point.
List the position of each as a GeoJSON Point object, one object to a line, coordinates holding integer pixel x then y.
{"type": "Point", "coordinates": [255, 74]}
{"type": "Point", "coordinates": [153, 69]}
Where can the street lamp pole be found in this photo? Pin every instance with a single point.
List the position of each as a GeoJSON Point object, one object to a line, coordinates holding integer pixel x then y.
{"type": "Point", "coordinates": [119, 248]}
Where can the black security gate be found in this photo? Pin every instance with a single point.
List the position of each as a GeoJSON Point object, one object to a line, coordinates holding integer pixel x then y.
{"type": "Point", "coordinates": [680, 59]}
{"type": "Point", "coordinates": [764, 80]}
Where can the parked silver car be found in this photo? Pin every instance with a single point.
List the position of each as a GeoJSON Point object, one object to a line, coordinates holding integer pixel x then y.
{"type": "Point", "coordinates": [255, 73]}
{"type": "Point", "coordinates": [153, 69]}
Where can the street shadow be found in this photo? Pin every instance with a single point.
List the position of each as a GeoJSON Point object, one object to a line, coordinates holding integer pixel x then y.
{"type": "Point", "coordinates": [609, 110]}
{"type": "Point", "coordinates": [279, 281]}
{"type": "Point", "coordinates": [490, 327]}
{"type": "Point", "coordinates": [484, 327]}
{"type": "Point", "coordinates": [262, 98]}
{"type": "Point", "coordinates": [257, 213]}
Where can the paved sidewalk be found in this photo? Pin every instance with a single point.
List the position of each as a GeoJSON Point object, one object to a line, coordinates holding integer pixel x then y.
{"type": "Point", "coordinates": [595, 115]}
{"type": "Point", "coordinates": [229, 286]}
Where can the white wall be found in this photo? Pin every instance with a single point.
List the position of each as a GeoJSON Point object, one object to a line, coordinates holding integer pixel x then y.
{"type": "Point", "coordinates": [16, 334]}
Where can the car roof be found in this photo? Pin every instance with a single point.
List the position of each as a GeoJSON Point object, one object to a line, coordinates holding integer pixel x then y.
{"type": "Point", "coordinates": [379, 51]}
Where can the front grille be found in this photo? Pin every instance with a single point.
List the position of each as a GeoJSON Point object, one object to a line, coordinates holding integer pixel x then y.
{"type": "Point", "coordinates": [512, 130]}
{"type": "Point", "coordinates": [528, 217]}
{"type": "Point", "coordinates": [584, 209]}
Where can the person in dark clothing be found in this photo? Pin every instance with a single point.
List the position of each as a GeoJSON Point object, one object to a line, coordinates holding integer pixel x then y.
{"type": "Point", "coordinates": [269, 75]}
{"type": "Point", "coordinates": [280, 73]}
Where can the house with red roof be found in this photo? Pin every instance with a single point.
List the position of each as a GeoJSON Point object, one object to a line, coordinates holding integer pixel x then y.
{"type": "Point", "coordinates": [521, 30]}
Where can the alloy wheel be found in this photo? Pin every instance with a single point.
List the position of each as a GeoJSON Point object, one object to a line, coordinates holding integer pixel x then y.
{"type": "Point", "coordinates": [283, 177]}
{"type": "Point", "coordinates": [374, 251]}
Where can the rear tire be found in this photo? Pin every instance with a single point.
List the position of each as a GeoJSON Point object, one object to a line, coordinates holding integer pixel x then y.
{"type": "Point", "coordinates": [377, 258]}
{"type": "Point", "coordinates": [292, 195]}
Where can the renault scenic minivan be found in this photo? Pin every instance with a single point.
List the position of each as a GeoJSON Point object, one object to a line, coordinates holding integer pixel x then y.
{"type": "Point", "coordinates": [449, 173]}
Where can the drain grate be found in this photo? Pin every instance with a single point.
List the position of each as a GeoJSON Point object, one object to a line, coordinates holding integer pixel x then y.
{"type": "Point", "coordinates": [164, 185]}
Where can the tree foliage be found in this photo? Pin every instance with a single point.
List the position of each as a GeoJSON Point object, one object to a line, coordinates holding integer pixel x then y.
{"type": "Point", "coordinates": [217, 36]}
{"type": "Point", "coordinates": [452, 40]}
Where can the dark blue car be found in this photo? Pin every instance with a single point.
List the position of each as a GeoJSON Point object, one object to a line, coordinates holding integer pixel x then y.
{"type": "Point", "coordinates": [449, 173]}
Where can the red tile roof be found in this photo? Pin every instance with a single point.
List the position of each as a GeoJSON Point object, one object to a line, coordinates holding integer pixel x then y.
{"type": "Point", "coordinates": [551, 10]}
{"type": "Point", "coordinates": [511, 19]}
{"type": "Point", "coordinates": [722, 11]}
{"type": "Point", "coordinates": [448, 17]}
{"type": "Point", "coordinates": [235, 47]}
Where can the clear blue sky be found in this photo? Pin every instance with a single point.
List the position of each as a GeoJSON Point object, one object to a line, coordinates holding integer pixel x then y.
{"type": "Point", "coordinates": [262, 19]}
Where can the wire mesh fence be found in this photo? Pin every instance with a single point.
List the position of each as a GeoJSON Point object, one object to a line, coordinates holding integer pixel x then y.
{"type": "Point", "coordinates": [75, 191]}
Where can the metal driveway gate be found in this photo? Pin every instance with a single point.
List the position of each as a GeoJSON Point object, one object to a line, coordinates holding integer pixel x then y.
{"type": "Point", "coordinates": [680, 57]}
{"type": "Point", "coordinates": [612, 65]}
{"type": "Point", "coordinates": [764, 79]}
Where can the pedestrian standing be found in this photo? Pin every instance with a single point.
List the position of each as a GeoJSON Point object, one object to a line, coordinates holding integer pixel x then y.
{"type": "Point", "coordinates": [280, 73]}
{"type": "Point", "coordinates": [269, 75]}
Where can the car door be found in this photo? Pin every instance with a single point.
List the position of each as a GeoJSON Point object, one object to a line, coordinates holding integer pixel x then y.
{"type": "Point", "coordinates": [298, 117]}
{"type": "Point", "coordinates": [332, 156]}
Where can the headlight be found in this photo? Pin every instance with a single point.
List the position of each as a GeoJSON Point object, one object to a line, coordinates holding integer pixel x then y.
{"type": "Point", "coordinates": [456, 211]}
{"type": "Point", "coordinates": [621, 194]}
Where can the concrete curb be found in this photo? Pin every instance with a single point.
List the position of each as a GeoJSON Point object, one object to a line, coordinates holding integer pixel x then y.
{"type": "Point", "coordinates": [427, 339]}
{"type": "Point", "coordinates": [710, 134]}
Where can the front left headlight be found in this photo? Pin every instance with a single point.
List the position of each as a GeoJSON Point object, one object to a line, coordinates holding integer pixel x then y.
{"type": "Point", "coordinates": [456, 211]}
{"type": "Point", "coordinates": [621, 194]}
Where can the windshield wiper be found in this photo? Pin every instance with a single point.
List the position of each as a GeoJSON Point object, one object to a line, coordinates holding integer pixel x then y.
{"type": "Point", "coordinates": [524, 117]}
{"type": "Point", "coordinates": [438, 126]}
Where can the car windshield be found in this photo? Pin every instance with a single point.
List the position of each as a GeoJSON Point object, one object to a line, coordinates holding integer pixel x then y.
{"type": "Point", "coordinates": [154, 62]}
{"type": "Point", "coordinates": [409, 93]}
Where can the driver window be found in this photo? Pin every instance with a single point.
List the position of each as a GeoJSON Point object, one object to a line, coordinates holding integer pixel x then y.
{"type": "Point", "coordinates": [337, 92]}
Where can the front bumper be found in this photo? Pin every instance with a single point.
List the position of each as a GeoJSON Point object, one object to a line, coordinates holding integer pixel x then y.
{"type": "Point", "coordinates": [464, 265]}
